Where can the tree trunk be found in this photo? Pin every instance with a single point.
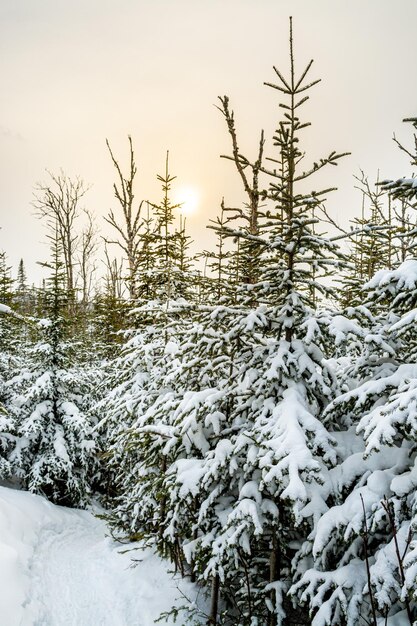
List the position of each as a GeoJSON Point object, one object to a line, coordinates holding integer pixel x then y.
{"type": "Point", "coordinates": [274, 567]}
{"type": "Point", "coordinates": [214, 605]}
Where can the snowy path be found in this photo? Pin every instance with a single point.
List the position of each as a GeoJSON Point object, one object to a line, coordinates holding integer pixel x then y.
{"type": "Point", "coordinates": [79, 579]}
{"type": "Point", "coordinates": [57, 568]}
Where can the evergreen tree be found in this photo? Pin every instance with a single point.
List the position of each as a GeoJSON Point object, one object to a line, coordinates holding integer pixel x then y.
{"type": "Point", "coordinates": [23, 294]}
{"type": "Point", "coordinates": [154, 322]}
{"type": "Point", "coordinates": [10, 363]}
{"type": "Point", "coordinates": [54, 451]}
{"type": "Point", "coordinates": [222, 265]}
{"type": "Point", "coordinates": [371, 244]}
{"type": "Point", "coordinates": [170, 265]}
{"type": "Point", "coordinates": [146, 258]}
{"type": "Point", "coordinates": [362, 547]}
{"type": "Point", "coordinates": [7, 322]}
{"type": "Point", "coordinates": [381, 238]}
{"type": "Point", "coordinates": [228, 440]}
{"type": "Point", "coordinates": [11, 336]}
{"type": "Point", "coordinates": [361, 542]}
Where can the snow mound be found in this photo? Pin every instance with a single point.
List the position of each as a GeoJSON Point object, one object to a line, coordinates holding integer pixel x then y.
{"type": "Point", "coordinates": [58, 568]}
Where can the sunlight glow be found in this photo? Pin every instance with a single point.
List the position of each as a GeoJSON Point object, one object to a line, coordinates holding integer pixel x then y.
{"type": "Point", "coordinates": [189, 198]}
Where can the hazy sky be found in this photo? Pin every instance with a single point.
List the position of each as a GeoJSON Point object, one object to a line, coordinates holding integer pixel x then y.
{"type": "Point", "coordinates": [77, 71]}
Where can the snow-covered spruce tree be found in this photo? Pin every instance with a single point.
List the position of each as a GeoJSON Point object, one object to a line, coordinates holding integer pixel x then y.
{"type": "Point", "coordinates": [54, 453]}
{"type": "Point", "coordinates": [11, 361]}
{"type": "Point", "coordinates": [382, 238]}
{"type": "Point", "coordinates": [404, 188]}
{"type": "Point", "coordinates": [242, 432]}
{"type": "Point", "coordinates": [22, 290]}
{"type": "Point", "coordinates": [110, 309]}
{"type": "Point", "coordinates": [223, 267]}
{"type": "Point", "coordinates": [198, 414]}
{"type": "Point", "coordinates": [170, 266]}
{"type": "Point", "coordinates": [8, 327]}
{"type": "Point", "coordinates": [164, 364]}
{"type": "Point", "coordinates": [363, 545]}
{"type": "Point", "coordinates": [145, 260]}
{"type": "Point", "coordinates": [363, 561]}
{"type": "Point", "coordinates": [150, 346]}
{"type": "Point", "coordinates": [370, 244]}
{"type": "Point", "coordinates": [24, 294]}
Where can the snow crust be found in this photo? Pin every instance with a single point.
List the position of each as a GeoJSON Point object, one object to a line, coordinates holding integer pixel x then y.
{"type": "Point", "coordinates": [58, 568]}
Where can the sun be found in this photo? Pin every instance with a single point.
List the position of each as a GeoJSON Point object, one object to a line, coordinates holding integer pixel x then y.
{"type": "Point", "coordinates": [188, 198]}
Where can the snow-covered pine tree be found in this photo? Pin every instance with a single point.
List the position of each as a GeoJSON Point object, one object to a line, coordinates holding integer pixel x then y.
{"type": "Point", "coordinates": [203, 374]}
{"type": "Point", "coordinates": [171, 265]}
{"type": "Point", "coordinates": [222, 265]}
{"type": "Point", "coordinates": [110, 309]}
{"type": "Point", "coordinates": [145, 263]}
{"type": "Point", "coordinates": [368, 500]}
{"type": "Point", "coordinates": [405, 188]}
{"type": "Point", "coordinates": [289, 382]}
{"type": "Point", "coordinates": [370, 244]}
{"type": "Point", "coordinates": [8, 332]}
{"type": "Point", "coordinates": [24, 294]}
{"type": "Point", "coordinates": [363, 543]}
{"type": "Point", "coordinates": [10, 362]}
{"type": "Point", "coordinates": [198, 414]}
{"type": "Point", "coordinates": [54, 453]}
{"type": "Point", "coordinates": [135, 466]}
{"type": "Point", "coordinates": [382, 238]}
{"type": "Point", "coordinates": [244, 441]}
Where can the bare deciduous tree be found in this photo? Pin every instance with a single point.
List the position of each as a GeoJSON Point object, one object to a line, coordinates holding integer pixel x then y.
{"type": "Point", "coordinates": [88, 244]}
{"type": "Point", "coordinates": [129, 227]}
{"type": "Point", "coordinates": [59, 203]}
{"type": "Point", "coordinates": [244, 167]}
{"type": "Point", "coordinates": [113, 280]}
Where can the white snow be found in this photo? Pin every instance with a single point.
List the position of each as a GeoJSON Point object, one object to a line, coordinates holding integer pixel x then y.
{"type": "Point", "coordinates": [58, 567]}
{"type": "Point", "coordinates": [404, 276]}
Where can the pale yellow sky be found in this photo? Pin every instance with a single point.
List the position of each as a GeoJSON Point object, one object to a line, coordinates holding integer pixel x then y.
{"type": "Point", "coordinates": [75, 72]}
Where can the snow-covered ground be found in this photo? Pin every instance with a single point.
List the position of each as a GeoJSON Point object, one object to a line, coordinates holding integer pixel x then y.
{"type": "Point", "coordinates": [58, 567]}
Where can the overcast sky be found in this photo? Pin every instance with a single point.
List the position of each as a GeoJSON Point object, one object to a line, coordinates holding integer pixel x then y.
{"type": "Point", "coordinates": [76, 72]}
